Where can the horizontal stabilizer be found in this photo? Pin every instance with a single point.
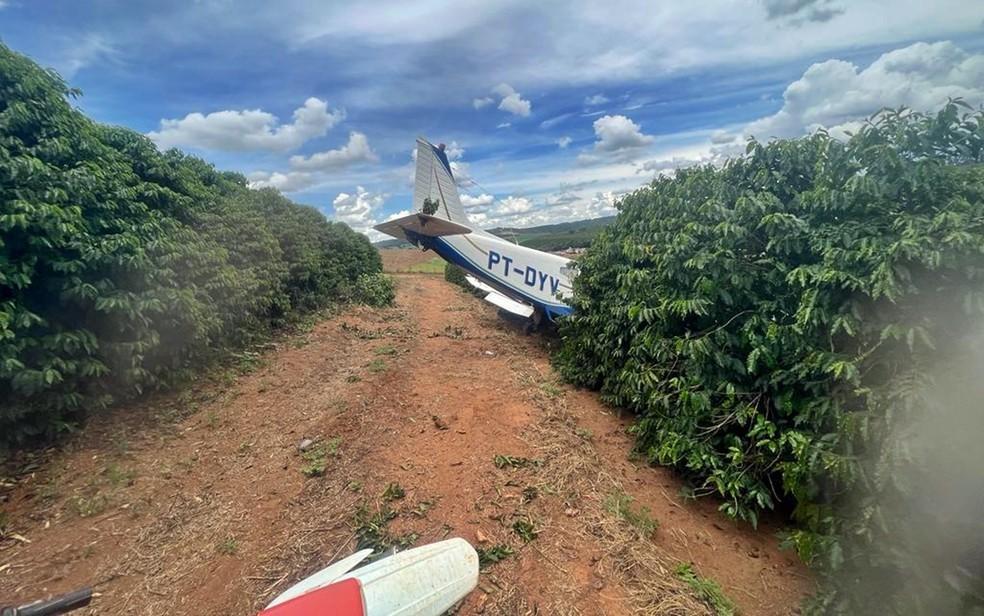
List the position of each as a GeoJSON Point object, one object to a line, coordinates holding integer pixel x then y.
{"type": "Point", "coordinates": [500, 300]}
{"type": "Point", "coordinates": [421, 224]}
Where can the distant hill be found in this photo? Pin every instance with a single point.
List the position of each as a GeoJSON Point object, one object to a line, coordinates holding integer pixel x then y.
{"type": "Point", "coordinates": [391, 243]}
{"type": "Point", "coordinates": [558, 236]}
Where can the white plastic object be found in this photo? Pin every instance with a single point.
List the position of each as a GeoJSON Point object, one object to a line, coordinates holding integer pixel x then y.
{"type": "Point", "coordinates": [424, 581]}
{"type": "Point", "coordinates": [329, 574]}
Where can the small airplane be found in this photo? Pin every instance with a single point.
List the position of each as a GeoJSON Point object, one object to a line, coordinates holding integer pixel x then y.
{"type": "Point", "coordinates": [520, 280]}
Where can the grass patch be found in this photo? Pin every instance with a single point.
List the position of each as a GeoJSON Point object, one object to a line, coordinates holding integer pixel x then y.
{"type": "Point", "coordinates": [420, 511]}
{"type": "Point", "coordinates": [371, 529]}
{"type": "Point", "coordinates": [551, 390]}
{"type": "Point", "coordinates": [707, 590]}
{"type": "Point", "coordinates": [455, 333]}
{"type": "Point", "coordinates": [385, 350]}
{"type": "Point", "coordinates": [48, 490]}
{"type": "Point", "coordinates": [317, 457]}
{"type": "Point", "coordinates": [361, 332]}
{"type": "Point", "coordinates": [619, 503]}
{"type": "Point", "coordinates": [228, 546]}
{"type": "Point", "coordinates": [246, 361]}
{"type": "Point", "coordinates": [376, 365]}
{"type": "Point", "coordinates": [525, 530]}
{"type": "Point", "coordinates": [370, 526]}
{"type": "Point", "coordinates": [117, 476]}
{"type": "Point", "coordinates": [493, 554]}
{"type": "Point", "coordinates": [121, 442]}
{"type": "Point", "coordinates": [353, 378]}
{"type": "Point", "coordinates": [434, 265]}
{"type": "Point", "coordinates": [393, 491]}
{"type": "Point", "coordinates": [504, 461]}
{"type": "Point", "coordinates": [87, 506]}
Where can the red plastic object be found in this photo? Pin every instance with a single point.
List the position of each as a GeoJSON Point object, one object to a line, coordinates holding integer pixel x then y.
{"type": "Point", "coordinates": [339, 599]}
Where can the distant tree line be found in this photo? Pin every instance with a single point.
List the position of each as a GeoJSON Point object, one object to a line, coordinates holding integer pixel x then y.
{"type": "Point", "coordinates": [122, 267]}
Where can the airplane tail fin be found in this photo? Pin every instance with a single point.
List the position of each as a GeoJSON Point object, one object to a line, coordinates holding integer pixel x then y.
{"type": "Point", "coordinates": [434, 184]}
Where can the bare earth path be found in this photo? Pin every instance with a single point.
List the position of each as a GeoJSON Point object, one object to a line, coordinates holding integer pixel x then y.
{"type": "Point", "coordinates": [197, 503]}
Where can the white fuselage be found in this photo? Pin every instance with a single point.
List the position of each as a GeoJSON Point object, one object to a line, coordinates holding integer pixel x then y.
{"type": "Point", "coordinates": [523, 274]}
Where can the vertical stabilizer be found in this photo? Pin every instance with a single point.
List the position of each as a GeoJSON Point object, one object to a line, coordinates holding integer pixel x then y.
{"type": "Point", "coordinates": [434, 181]}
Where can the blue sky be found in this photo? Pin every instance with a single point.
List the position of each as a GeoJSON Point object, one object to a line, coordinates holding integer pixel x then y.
{"type": "Point", "coordinates": [550, 110]}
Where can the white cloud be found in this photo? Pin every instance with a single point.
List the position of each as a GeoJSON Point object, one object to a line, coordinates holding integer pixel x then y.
{"type": "Point", "coordinates": [513, 205]}
{"type": "Point", "coordinates": [291, 181]}
{"type": "Point", "coordinates": [837, 94]}
{"type": "Point", "coordinates": [720, 137]}
{"type": "Point", "coordinates": [512, 101]}
{"type": "Point", "coordinates": [595, 100]}
{"type": "Point", "coordinates": [504, 125]}
{"type": "Point", "coordinates": [308, 171]}
{"type": "Point", "coordinates": [587, 44]}
{"type": "Point", "coordinates": [479, 219]}
{"type": "Point", "coordinates": [481, 201]}
{"type": "Point", "coordinates": [453, 151]}
{"type": "Point", "coordinates": [82, 52]}
{"type": "Point", "coordinates": [251, 129]}
{"type": "Point", "coordinates": [799, 12]}
{"type": "Point", "coordinates": [355, 151]}
{"type": "Point", "coordinates": [619, 139]}
{"type": "Point", "coordinates": [617, 132]}
{"type": "Point", "coordinates": [551, 122]}
{"type": "Point", "coordinates": [399, 214]}
{"type": "Point", "coordinates": [659, 166]}
{"type": "Point", "coordinates": [601, 204]}
{"type": "Point", "coordinates": [358, 210]}
{"type": "Point", "coordinates": [563, 142]}
{"type": "Point", "coordinates": [461, 173]}
{"type": "Point", "coordinates": [565, 206]}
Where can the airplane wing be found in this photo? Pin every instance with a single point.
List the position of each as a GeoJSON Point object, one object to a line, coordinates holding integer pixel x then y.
{"type": "Point", "coordinates": [421, 224]}
{"type": "Point", "coordinates": [478, 284]}
{"type": "Point", "coordinates": [500, 300]}
{"type": "Point", "coordinates": [494, 297]}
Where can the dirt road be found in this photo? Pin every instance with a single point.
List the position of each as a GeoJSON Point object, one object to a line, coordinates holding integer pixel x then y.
{"type": "Point", "coordinates": [431, 419]}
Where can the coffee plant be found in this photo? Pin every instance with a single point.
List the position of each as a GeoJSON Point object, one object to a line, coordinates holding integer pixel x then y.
{"type": "Point", "coordinates": [774, 323]}
{"type": "Point", "coordinates": [122, 268]}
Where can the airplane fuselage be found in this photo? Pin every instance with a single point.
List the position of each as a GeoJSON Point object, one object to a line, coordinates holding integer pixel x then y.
{"type": "Point", "coordinates": [522, 274]}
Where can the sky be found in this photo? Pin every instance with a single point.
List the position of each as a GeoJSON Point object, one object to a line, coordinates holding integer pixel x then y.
{"type": "Point", "coordinates": [550, 110]}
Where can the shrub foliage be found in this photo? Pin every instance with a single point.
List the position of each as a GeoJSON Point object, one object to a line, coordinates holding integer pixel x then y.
{"type": "Point", "coordinates": [121, 266]}
{"type": "Point", "coordinates": [456, 275]}
{"type": "Point", "coordinates": [771, 320]}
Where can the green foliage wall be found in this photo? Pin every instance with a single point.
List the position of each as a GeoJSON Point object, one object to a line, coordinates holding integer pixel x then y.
{"type": "Point", "coordinates": [121, 266]}
{"type": "Point", "coordinates": [769, 321]}
{"type": "Point", "coordinates": [456, 275]}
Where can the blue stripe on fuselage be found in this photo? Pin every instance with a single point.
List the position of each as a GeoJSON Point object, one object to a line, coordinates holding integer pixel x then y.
{"type": "Point", "coordinates": [452, 254]}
